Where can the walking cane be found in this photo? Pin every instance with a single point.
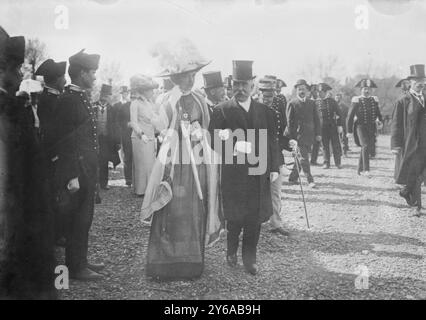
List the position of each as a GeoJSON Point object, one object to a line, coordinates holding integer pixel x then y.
{"type": "Point", "coordinates": [296, 154]}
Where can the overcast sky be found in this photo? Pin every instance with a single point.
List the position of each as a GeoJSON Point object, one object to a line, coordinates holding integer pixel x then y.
{"type": "Point", "coordinates": [282, 37]}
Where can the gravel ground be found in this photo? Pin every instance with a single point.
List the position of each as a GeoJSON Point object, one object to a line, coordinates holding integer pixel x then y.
{"type": "Point", "coordinates": [359, 226]}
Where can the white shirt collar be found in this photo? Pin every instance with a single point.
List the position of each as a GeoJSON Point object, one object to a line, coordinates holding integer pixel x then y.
{"type": "Point", "coordinates": [76, 88]}
{"type": "Point", "coordinates": [52, 90]}
{"type": "Point", "coordinates": [246, 104]}
{"type": "Point", "coordinates": [301, 99]}
{"type": "Point", "coordinates": [414, 93]}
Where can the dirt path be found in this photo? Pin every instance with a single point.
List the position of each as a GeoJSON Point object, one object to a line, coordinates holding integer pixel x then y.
{"type": "Point", "coordinates": [359, 227]}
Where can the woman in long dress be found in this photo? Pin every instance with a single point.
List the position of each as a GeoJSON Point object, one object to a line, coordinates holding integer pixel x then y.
{"type": "Point", "coordinates": [144, 123]}
{"type": "Point", "coordinates": [182, 193]}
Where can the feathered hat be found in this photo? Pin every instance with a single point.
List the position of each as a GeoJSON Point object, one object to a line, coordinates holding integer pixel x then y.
{"type": "Point", "coordinates": [177, 58]}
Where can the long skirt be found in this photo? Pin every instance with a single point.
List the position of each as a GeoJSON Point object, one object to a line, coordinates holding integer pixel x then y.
{"type": "Point", "coordinates": [143, 161]}
{"type": "Point", "coordinates": [176, 242]}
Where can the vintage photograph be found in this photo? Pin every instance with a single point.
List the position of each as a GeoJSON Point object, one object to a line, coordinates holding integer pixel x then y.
{"type": "Point", "coordinates": [220, 150]}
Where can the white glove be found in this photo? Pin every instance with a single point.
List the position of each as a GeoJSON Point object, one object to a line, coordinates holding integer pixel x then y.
{"type": "Point", "coordinates": [73, 185]}
{"type": "Point", "coordinates": [196, 133]}
{"type": "Point", "coordinates": [243, 147]}
{"type": "Point", "coordinates": [340, 129]}
{"type": "Point", "coordinates": [145, 138]}
{"type": "Point", "coordinates": [293, 144]}
{"type": "Point", "coordinates": [379, 125]}
{"type": "Point", "coordinates": [273, 176]}
{"type": "Point", "coordinates": [396, 151]}
{"type": "Point", "coordinates": [318, 138]}
{"type": "Point", "coordinates": [223, 134]}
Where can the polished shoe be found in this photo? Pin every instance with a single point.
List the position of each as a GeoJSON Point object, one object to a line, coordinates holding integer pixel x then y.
{"type": "Point", "coordinates": [312, 185]}
{"type": "Point", "coordinates": [232, 260]}
{"type": "Point", "coordinates": [86, 275]}
{"type": "Point", "coordinates": [326, 166]}
{"type": "Point", "coordinates": [251, 268]}
{"type": "Point", "coordinates": [338, 166]}
{"type": "Point", "coordinates": [96, 266]}
{"type": "Point", "coordinates": [408, 198]}
{"type": "Point", "coordinates": [98, 199]}
{"type": "Point", "coordinates": [293, 182]}
{"type": "Point", "coordinates": [128, 183]}
{"type": "Point", "coordinates": [281, 231]}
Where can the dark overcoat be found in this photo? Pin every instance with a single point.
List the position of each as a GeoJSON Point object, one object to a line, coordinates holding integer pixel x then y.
{"type": "Point", "coordinates": [237, 185]}
{"type": "Point", "coordinates": [404, 134]}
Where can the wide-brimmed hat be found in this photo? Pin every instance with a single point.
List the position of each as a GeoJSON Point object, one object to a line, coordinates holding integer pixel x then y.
{"type": "Point", "coordinates": [366, 83]}
{"type": "Point", "coordinates": [242, 70]}
{"type": "Point", "coordinates": [399, 83]}
{"type": "Point", "coordinates": [178, 58]}
{"type": "Point", "coordinates": [417, 71]}
{"type": "Point", "coordinates": [301, 82]}
{"type": "Point", "coordinates": [212, 79]}
{"type": "Point", "coordinates": [142, 82]}
{"type": "Point", "coordinates": [266, 84]}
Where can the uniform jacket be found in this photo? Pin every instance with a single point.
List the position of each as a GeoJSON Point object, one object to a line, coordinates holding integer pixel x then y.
{"type": "Point", "coordinates": [404, 133]}
{"type": "Point", "coordinates": [329, 112]}
{"type": "Point", "coordinates": [77, 145]}
{"type": "Point", "coordinates": [303, 121]}
{"type": "Point", "coordinates": [366, 111]}
{"type": "Point", "coordinates": [235, 179]}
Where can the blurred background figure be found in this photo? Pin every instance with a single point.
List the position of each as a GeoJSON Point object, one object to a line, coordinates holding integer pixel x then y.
{"type": "Point", "coordinates": [214, 89]}
{"type": "Point", "coordinates": [344, 109]}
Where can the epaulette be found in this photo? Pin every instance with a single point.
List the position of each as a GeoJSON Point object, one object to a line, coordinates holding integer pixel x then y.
{"type": "Point", "coordinates": [355, 99]}
{"type": "Point", "coordinates": [376, 98]}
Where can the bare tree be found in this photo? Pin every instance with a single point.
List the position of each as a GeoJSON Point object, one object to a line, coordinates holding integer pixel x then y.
{"type": "Point", "coordinates": [35, 54]}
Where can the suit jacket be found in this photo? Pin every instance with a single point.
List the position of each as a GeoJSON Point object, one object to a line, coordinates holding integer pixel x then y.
{"type": "Point", "coordinates": [303, 121]}
{"type": "Point", "coordinates": [77, 143]}
{"type": "Point", "coordinates": [123, 119]}
{"type": "Point", "coordinates": [236, 183]}
{"type": "Point", "coordinates": [404, 134]}
{"type": "Point", "coordinates": [113, 133]}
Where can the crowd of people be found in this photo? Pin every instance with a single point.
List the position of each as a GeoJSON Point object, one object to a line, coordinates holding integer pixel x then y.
{"type": "Point", "coordinates": [56, 146]}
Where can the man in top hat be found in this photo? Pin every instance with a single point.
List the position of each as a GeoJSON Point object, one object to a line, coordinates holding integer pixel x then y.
{"type": "Point", "coordinates": [366, 110]}
{"type": "Point", "coordinates": [107, 131]}
{"type": "Point", "coordinates": [267, 95]}
{"type": "Point", "coordinates": [408, 136]}
{"type": "Point", "coordinates": [77, 163]}
{"type": "Point", "coordinates": [227, 84]}
{"type": "Point", "coordinates": [213, 87]}
{"type": "Point", "coordinates": [344, 110]}
{"type": "Point", "coordinates": [27, 258]}
{"type": "Point", "coordinates": [331, 125]}
{"type": "Point", "coordinates": [245, 182]}
{"type": "Point", "coordinates": [125, 132]}
{"type": "Point", "coordinates": [303, 125]}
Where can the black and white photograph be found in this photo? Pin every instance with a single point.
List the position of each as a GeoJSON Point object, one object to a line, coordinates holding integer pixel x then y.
{"type": "Point", "coordinates": [229, 151]}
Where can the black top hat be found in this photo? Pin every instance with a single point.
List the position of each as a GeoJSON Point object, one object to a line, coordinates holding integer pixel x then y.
{"type": "Point", "coordinates": [324, 87]}
{"type": "Point", "coordinates": [301, 82]}
{"type": "Point", "coordinates": [366, 83]}
{"type": "Point", "coordinates": [212, 79]}
{"type": "Point", "coordinates": [84, 60]}
{"type": "Point", "coordinates": [106, 90]}
{"type": "Point", "coordinates": [417, 71]}
{"type": "Point", "coordinates": [50, 68]}
{"type": "Point", "coordinates": [242, 70]}
{"type": "Point", "coordinates": [124, 89]}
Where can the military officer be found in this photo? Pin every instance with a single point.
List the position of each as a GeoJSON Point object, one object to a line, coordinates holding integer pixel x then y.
{"type": "Point", "coordinates": [344, 110]}
{"type": "Point", "coordinates": [331, 125]}
{"type": "Point", "coordinates": [77, 163]}
{"type": "Point", "coordinates": [366, 110]}
{"type": "Point", "coordinates": [27, 259]}
{"type": "Point", "coordinates": [267, 95]}
{"type": "Point", "coordinates": [303, 125]}
{"type": "Point", "coordinates": [214, 89]}
{"type": "Point", "coordinates": [54, 81]}
{"type": "Point", "coordinates": [316, 146]}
